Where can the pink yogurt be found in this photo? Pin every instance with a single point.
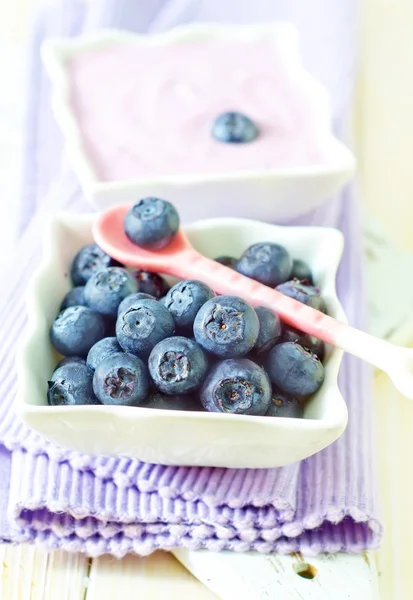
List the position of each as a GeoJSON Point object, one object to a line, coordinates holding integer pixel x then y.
{"type": "Point", "coordinates": [147, 111]}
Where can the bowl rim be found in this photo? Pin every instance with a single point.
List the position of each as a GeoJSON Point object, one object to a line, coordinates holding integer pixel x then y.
{"type": "Point", "coordinates": [56, 52]}
{"type": "Point", "coordinates": [337, 420]}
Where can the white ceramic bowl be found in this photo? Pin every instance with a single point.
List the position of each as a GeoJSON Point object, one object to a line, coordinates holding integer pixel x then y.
{"type": "Point", "coordinates": [279, 194]}
{"type": "Point", "coordinates": [175, 437]}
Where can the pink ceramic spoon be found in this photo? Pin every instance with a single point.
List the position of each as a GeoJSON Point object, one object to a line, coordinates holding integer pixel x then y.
{"type": "Point", "coordinates": [183, 261]}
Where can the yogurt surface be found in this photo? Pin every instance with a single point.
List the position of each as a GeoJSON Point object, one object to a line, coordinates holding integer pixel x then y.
{"type": "Point", "coordinates": [147, 111]}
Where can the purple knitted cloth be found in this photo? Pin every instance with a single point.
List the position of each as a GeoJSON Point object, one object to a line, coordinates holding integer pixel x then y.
{"type": "Point", "coordinates": [80, 503]}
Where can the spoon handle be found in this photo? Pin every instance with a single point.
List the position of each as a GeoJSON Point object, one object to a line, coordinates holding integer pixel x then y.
{"type": "Point", "coordinates": [394, 360]}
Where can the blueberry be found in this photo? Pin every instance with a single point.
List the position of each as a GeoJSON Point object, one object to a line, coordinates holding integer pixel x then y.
{"type": "Point", "coordinates": [106, 289]}
{"type": "Point", "coordinates": [68, 360]}
{"type": "Point", "coordinates": [282, 405]}
{"type": "Point", "coordinates": [151, 223]}
{"type": "Point", "coordinates": [184, 301]}
{"type": "Point", "coordinates": [143, 325]}
{"type": "Point", "coordinates": [102, 350]}
{"type": "Point", "coordinates": [75, 297]}
{"type": "Point", "coordinates": [267, 263]}
{"type": "Point", "coordinates": [227, 261]}
{"type": "Point", "coordinates": [270, 330]}
{"type": "Point", "coordinates": [88, 261]}
{"type": "Point", "coordinates": [227, 326]}
{"type": "Point", "coordinates": [130, 301]}
{"type": "Point", "coordinates": [237, 386]}
{"type": "Point", "coordinates": [177, 365]}
{"type": "Point", "coordinates": [234, 128]}
{"type": "Point", "coordinates": [304, 293]}
{"type": "Point", "coordinates": [307, 341]}
{"type": "Point", "coordinates": [301, 271]}
{"type": "Point", "coordinates": [71, 384]}
{"type": "Point", "coordinates": [294, 370]}
{"type": "Point", "coordinates": [76, 329]}
{"type": "Point", "coordinates": [187, 402]}
{"type": "Point", "coordinates": [151, 283]}
{"type": "Point", "coordinates": [110, 326]}
{"type": "Point", "coordinates": [121, 379]}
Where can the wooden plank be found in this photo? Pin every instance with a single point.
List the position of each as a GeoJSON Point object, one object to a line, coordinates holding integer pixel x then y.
{"type": "Point", "coordinates": [29, 573]}
{"type": "Point", "coordinates": [394, 446]}
{"type": "Point", "coordinates": [237, 576]}
{"type": "Point", "coordinates": [383, 115]}
{"type": "Point", "coordinates": [154, 577]}
{"type": "Point", "coordinates": [383, 124]}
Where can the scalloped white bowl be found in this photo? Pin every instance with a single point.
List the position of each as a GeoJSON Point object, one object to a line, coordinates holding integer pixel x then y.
{"type": "Point", "coordinates": [279, 194]}
{"type": "Point", "coordinates": [177, 437]}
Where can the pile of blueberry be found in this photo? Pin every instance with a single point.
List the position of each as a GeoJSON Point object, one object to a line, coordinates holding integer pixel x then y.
{"type": "Point", "coordinates": [130, 339]}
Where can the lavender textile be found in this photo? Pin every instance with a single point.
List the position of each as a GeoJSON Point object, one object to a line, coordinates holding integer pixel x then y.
{"type": "Point", "coordinates": [67, 500]}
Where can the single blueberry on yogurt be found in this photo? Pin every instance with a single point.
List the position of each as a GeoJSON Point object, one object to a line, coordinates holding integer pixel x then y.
{"type": "Point", "coordinates": [234, 128]}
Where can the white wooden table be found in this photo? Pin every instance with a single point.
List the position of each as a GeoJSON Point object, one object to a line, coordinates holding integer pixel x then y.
{"type": "Point", "coordinates": [383, 131]}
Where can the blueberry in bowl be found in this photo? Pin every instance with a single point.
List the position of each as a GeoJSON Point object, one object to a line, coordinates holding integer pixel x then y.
{"type": "Point", "coordinates": [143, 325]}
{"type": "Point", "coordinates": [106, 289]}
{"type": "Point", "coordinates": [184, 300]}
{"type": "Point", "coordinates": [283, 405]}
{"type": "Point", "coordinates": [177, 365]}
{"type": "Point", "coordinates": [227, 261]}
{"type": "Point", "coordinates": [303, 292]}
{"type": "Point", "coordinates": [121, 379]}
{"type": "Point", "coordinates": [101, 350]}
{"type": "Point", "coordinates": [301, 271]}
{"type": "Point", "coordinates": [131, 300]}
{"type": "Point", "coordinates": [307, 341]}
{"type": "Point", "coordinates": [227, 326]}
{"type": "Point", "coordinates": [266, 262]}
{"type": "Point", "coordinates": [76, 329]}
{"type": "Point", "coordinates": [237, 386]}
{"type": "Point", "coordinates": [294, 370]}
{"type": "Point", "coordinates": [182, 402]}
{"type": "Point", "coordinates": [71, 384]}
{"type": "Point", "coordinates": [67, 360]}
{"type": "Point", "coordinates": [74, 297]}
{"type": "Point", "coordinates": [149, 283]}
{"type": "Point", "coordinates": [88, 260]}
{"type": "Point", "coordinates": [270, 330]}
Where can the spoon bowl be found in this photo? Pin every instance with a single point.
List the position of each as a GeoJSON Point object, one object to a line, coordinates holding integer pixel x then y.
{"type": "Point", "coordinates": [109, 234]}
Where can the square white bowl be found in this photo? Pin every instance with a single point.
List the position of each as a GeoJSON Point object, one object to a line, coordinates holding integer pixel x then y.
{"type": "Point", "coordinates": [177, 437]}
{"type": "Point", "coordinates": [278, 194]}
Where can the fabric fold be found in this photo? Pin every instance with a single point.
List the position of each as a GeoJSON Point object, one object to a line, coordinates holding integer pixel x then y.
{"type": "Point", "coordinates": [68, 500]}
